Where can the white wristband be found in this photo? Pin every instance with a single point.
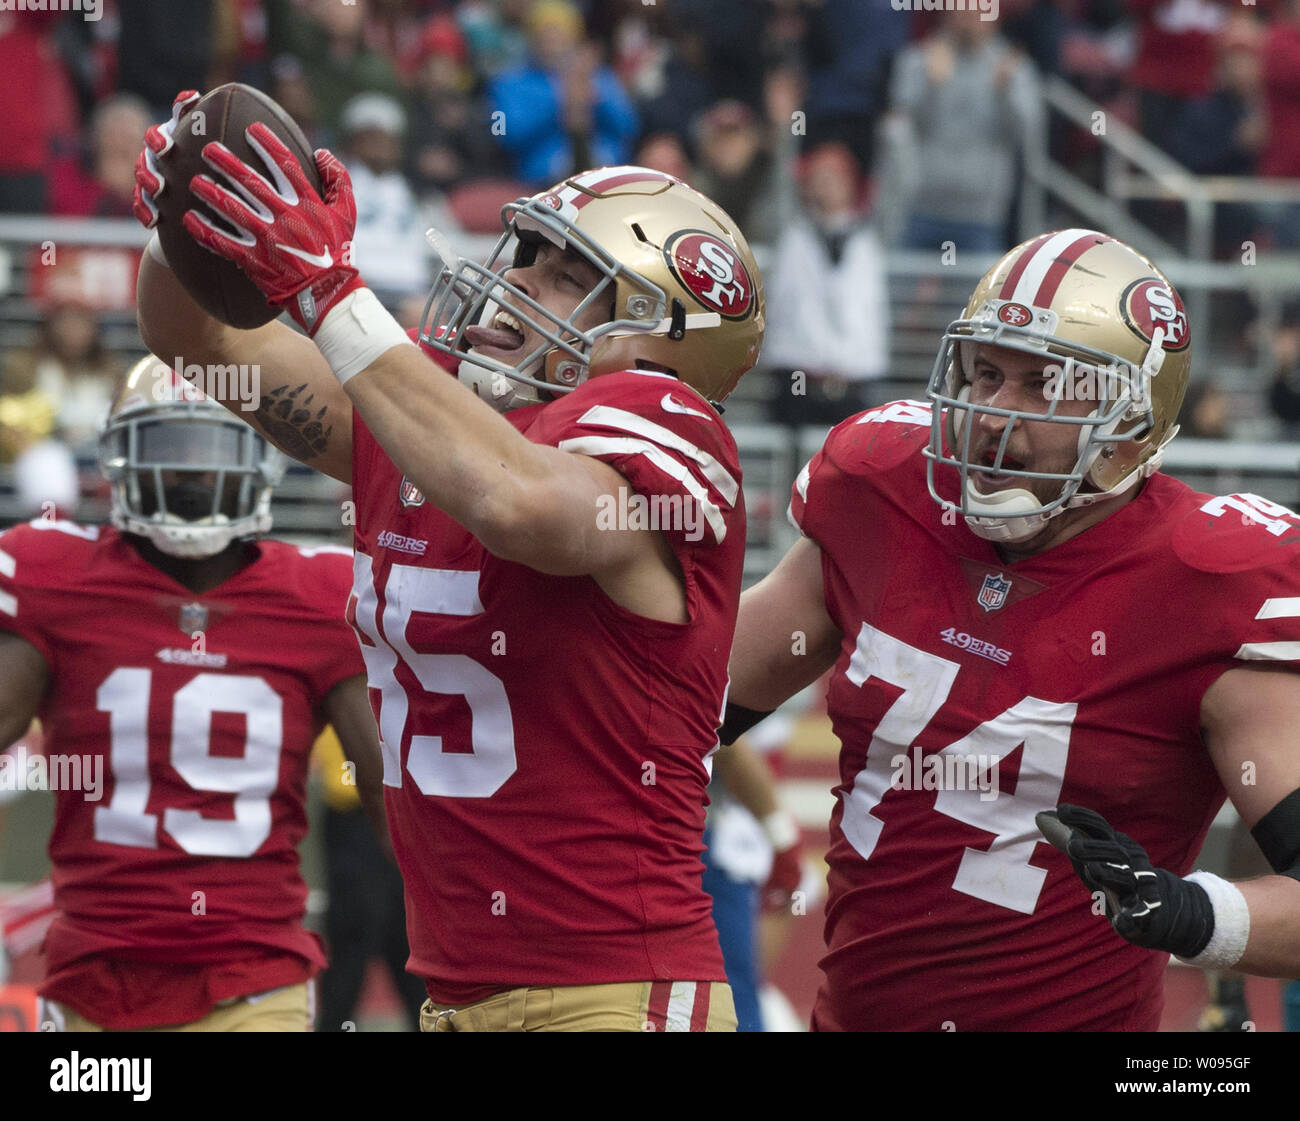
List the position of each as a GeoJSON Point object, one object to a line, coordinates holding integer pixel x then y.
{"type": "Point", "coordinates": [782, 830]}
{"type": "Point", "coordinates": [155, 250]}
{"type": "Point", "coordinates": [356, 331]}
{"type": "Point", "coordinates": [1231, 923]}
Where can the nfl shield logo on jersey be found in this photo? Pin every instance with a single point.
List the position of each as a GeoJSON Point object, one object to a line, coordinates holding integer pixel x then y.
{"type": "Point", "coordinates": [409, 494]}
{"type": "Point", "coordinates": [194, 617]}
{"type": "Point", "coordinates": [994, 592]}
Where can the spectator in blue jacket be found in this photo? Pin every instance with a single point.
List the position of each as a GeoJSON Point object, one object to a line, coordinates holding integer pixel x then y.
{"type": "Point", "coordinates": [564, 110]}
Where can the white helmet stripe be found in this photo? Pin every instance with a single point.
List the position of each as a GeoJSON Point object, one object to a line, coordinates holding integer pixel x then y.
{"type": "Point", "coordinates": [1041, 260]}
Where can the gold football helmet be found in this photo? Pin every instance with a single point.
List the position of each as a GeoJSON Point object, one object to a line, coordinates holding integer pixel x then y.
{"type": "Point", "coordinates": [186, 474]}
{"type": "Point", "coordinates": [682, 286]}
{"type": "Point", "coordinates": [1111, 330]}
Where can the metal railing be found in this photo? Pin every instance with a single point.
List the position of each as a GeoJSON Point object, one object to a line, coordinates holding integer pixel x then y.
{"type": "Point", "coordinates": [925, 294]}
{"type": "Point", "coordinates": [1047, 178]}
{"type": "Point", "coordinates": [308, 506]}
{"type": "Point", "coordinates": [1133, 168]}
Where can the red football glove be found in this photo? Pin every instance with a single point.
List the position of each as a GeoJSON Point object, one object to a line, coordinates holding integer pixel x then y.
{"type": "Point", "coordinates": [149, 182]}
{"type": "Point", "coordinates": [787, 866]}
{"type": "Point", "coordinates": [293, 244]}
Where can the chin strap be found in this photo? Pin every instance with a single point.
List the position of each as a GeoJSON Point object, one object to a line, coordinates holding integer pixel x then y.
{"type": "Point", "coordinates": [504, 393]}
{"type": "Point", "coordinates": [1018, 528]}
{"type": "Point", "coordinates": [193, 542]}
{"type": "Point", "coordinates": [499, 391]}
{"type": "Point", "coordinates": [1011, 529]}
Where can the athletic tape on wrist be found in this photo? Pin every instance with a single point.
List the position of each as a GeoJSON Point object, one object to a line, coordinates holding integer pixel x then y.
{"type": "Point", "coordinates": [155, 250]}
{"type": "Point", "coordinates": [782, 830]}
{"type": "Point", "coordinates": [356, 331]}
{"type": "Point", "coordinates": [1231, 923]}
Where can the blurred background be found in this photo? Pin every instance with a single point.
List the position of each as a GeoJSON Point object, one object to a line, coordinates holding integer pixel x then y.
{"type": "Point", "coordinates": [879, 161]}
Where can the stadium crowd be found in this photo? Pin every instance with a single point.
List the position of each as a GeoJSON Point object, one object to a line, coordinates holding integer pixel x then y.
{"type": "Point", "coordinates": [832, 130]}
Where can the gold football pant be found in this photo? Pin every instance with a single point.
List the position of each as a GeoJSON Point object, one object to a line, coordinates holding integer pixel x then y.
{"type": "Point", "coordinates": [631, 1006]}
{"type": "Point", "coordinates": [287, 1009]}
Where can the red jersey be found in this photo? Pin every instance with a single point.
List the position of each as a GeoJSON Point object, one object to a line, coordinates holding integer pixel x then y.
{"type": "Point", "coordinates": [198, 713]}
{"type": "Point", "coordinates": [971, 693]}
{"type": "Point", "coordinates": [544, 748]}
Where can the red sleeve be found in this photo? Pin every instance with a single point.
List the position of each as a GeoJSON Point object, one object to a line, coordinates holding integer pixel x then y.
{"type": "Point", "coordinates": [28, 601]}
{"type": "Point", "coordinates": [1241, 577]}
{"type": "Point", "coordinates": [667, 441]}
{"type": "Point", "coordinates": [803, 505]}
{"type": "Point", "coordinates": [326, 578]}
{"type": "Point", "coordinates": [876, 440]}
{"type": "Point", "coordinates": [820, 492]}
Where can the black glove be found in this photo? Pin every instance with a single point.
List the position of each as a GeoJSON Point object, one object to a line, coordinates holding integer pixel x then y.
{"type": "Point", "coordinates": [1147, 906]}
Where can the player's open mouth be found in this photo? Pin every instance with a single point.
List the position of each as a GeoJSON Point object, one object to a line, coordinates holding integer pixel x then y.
{"type": "Point", "coordinates": [988, 480]}
{"type": "Point", "coordinates": [504, 333]}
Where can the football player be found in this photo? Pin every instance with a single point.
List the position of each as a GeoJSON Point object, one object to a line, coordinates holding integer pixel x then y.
{"type": "Point", "coordinates": [181, 670]}
{"type": "Point", "coordinates": [1025, 619]}
{"type": "Point", "coordinates": [548, 562]}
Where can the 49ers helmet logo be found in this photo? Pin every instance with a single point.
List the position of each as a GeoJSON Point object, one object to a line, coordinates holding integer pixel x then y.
{"type": "Point", "coordinates": [1151, 303]}
{"type": "Point", "coordinates": [1017, 315]}
{"type": "Point", "coordinates": [712, 271]}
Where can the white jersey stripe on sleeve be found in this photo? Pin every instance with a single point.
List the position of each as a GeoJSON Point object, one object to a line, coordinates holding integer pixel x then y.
{"type": "Point", "coordinates": [681, 1004]}
{"type": "Point", "coordinates": [675, 468]}
{"type": "Point", "coordinates": [801, 482]}
{"type": "Point", "coordinates": [8, 601]}
{"type": "Point", "coordinates": [1280, 607]}
{"type": "Point", "coordinates": [1269, 652]}
{"type": "Point", "coordinates": [899, 412]}
{"type": "Point", "coordinates": [1284, 607]}
{"type": "Point", "coordinates": [800, 485]}
{"type": "Point", "coordinates": [718, 476]}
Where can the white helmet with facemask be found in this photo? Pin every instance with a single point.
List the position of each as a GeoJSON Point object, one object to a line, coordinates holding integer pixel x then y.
{"type": "Point", "coordinates": [186, 474]}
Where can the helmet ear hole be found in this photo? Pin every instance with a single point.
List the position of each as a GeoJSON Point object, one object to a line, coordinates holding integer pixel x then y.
{"type": "Point", "coordinates": [677, 327]}
{"type": "Point", "coordinates": [656, 367]}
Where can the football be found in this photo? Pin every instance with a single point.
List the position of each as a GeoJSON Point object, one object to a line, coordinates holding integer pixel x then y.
{"type": "Point", "coordinates": [217, 285]}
